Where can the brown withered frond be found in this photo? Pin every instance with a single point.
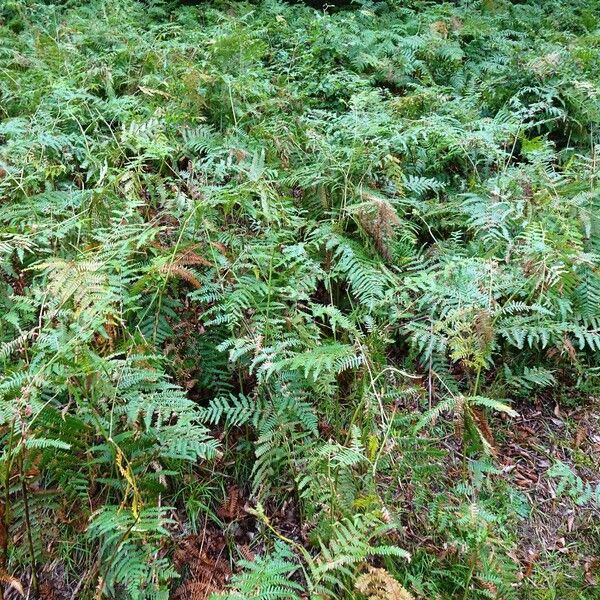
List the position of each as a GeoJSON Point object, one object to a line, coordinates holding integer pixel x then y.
{"type": "Point", "coordinates": [378, 218]}
{"type": "Point", "coordinates": [378, 584]}
{"type": "Point", "coordinates": [180, 263]}
{"type": "Point", "coordinates": [208, 571]}
{"type": "Point", "coordinates": [231, 509]}
{"type": "Point", "coordinates": [182, 273]}
{"type": "Point", "coordinates": [484, 428]}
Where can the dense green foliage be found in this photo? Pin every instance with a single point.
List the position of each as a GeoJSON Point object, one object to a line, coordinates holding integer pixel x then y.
{"type": "Point", "coordinates": [324, 256]}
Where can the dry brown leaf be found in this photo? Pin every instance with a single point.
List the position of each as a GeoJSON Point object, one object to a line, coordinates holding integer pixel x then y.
{"type": "Point", "coordinates": [12, 582]}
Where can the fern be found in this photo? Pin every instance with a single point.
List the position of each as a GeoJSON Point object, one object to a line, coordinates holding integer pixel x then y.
{"type": "Point", "coordinates": [294, 252]}
{"type": "Point", "coordinates": [348, 547]}
{"type": "Point", "coordinates": [266, 577]}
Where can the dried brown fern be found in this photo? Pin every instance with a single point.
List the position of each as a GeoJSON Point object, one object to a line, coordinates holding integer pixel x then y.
{"type": "Point", "coordinates": [378, 218]}
{"type": "Point", "coordinates": [485, 430]}
{"type": "Point", "coordinates": [231, 509]}
{"type": "Point", "coordinates": [378, 584]}
{"type": "Point", "coordinates": [182, 273]}
{"type": "Point", "coordinates": [208, 571]}
{"type": "Point", "coordinates": [180, 263]}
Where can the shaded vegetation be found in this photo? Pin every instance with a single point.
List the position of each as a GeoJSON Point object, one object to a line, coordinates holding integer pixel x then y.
{"type": "Point", "coordinates": [299, 303]}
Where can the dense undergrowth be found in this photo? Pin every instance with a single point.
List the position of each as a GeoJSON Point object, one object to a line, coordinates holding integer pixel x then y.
{"type": "Point", "coordinates": [280, 288]}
